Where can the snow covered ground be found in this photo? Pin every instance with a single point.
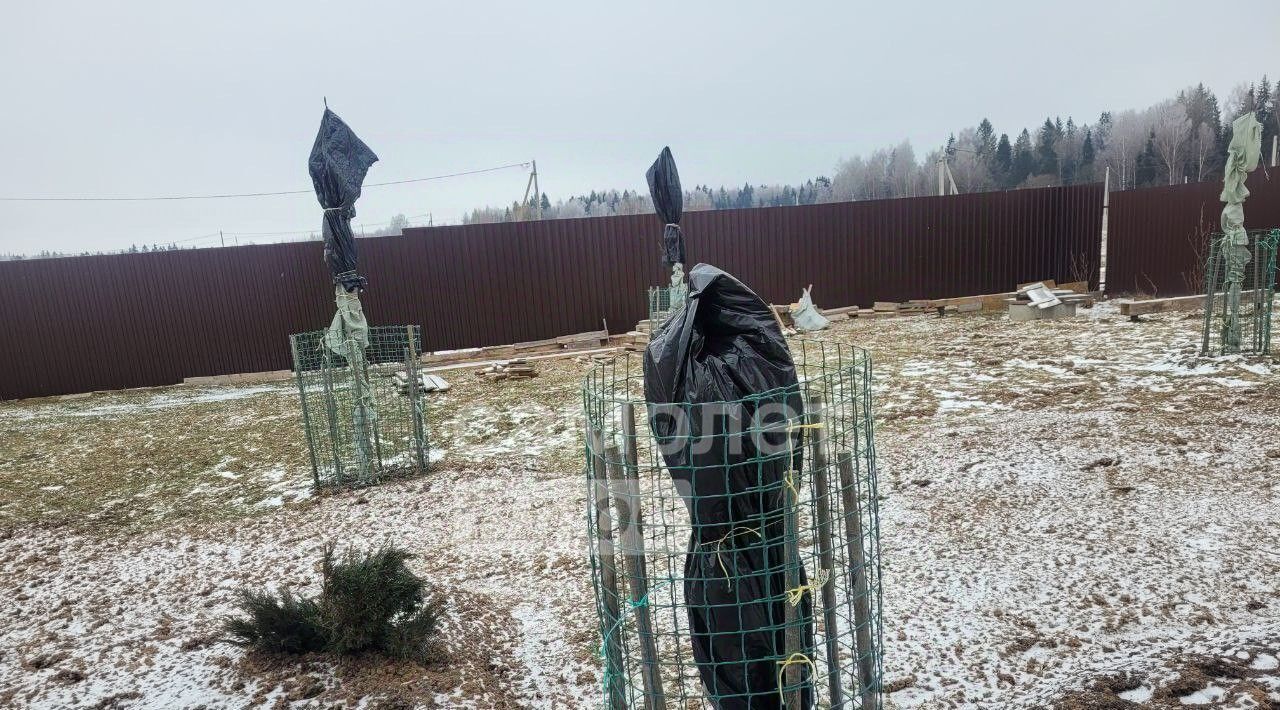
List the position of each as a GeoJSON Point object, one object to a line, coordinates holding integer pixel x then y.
{"type": "Point", "coordinates": [1075, 514]}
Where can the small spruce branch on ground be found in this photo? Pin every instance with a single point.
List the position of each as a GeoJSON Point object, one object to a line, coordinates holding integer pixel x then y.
{"type": "Point", "coordinates": [368, 603]}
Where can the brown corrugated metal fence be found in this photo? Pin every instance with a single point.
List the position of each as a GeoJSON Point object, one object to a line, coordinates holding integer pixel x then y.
{"type": "Point", "coordinates": [132, 320]}
{"type": "Point", "coordinates": [1156, 236]}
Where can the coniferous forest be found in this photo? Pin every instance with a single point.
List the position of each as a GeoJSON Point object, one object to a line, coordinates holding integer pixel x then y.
{"type": "Point", "coordinates": [1181, 139]}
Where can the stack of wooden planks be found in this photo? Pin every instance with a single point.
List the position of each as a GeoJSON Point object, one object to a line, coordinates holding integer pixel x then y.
{"type": "Point", "coordinates": [1076, 291]}
{"type": "Point", "coordinates": [838, 314]}
{"type": "Point", "coordinates": [426, 383]}
{"type": "Point", "coordinates": [517, 368]}
{"type": "Point", "coordinates": [889, 308]}
{"type": "Point", "coordinates": [637, 339]}
{"type": "Point", "coordinates": [565, 343]}
{"type": "Point", "coordinates": [581, 341]}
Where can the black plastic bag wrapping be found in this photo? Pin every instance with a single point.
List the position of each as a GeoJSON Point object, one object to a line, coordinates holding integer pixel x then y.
{"type": "Point", "coordinates": [338, 163]}
{"type": "Point", "coordinates": [726, 346]}
{"type": "Point", "coordinates": [668, 202]}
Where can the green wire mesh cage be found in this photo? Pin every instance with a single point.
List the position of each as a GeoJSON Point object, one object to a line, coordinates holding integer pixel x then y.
{"type": "Point", "coordinates": [1238, 307]}
{"type": "Point", "coordinates": [362, 410]}
{"type": "Point", "coordinates": [659, 306]}
{"type": "Point", "coordinates": [810, 634]}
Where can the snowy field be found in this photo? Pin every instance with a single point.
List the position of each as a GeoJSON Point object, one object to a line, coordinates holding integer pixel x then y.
{"type": "Point", "coordinates": [1075, 514]}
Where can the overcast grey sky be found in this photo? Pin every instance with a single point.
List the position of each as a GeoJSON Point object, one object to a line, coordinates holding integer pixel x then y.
{"type": "Point", "coordinates": [172, 97]}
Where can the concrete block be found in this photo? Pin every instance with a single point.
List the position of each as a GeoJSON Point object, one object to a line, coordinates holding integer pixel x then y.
{"type": "Point", "coordinates": [1019, 312]}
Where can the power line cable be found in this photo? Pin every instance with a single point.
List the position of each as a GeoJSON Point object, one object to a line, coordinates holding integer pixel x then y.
{"type": "Point", "coordinates": [166, 198]}
{"type": "Point", "coordinates": [193, 239]}
{"type": "Point", "coordinates": [316, 230]}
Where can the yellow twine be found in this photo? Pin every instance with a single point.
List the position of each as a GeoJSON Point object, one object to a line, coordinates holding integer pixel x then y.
{"type": "Point", "coordinates": [790, 481]}
{"type": "Point", "coordinates": [793, 660]}
{"type": "Point", "coordinates": [796, 427]}
{"type": "Point", "coordinates": [718, 543]}
{"type": "Point", "coordinates": [819, 579]}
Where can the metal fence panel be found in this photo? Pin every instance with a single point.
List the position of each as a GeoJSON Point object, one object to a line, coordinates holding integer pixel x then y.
{"type": "Point", "coordinates": [132, 320]}
{"type": "Point", "coordinates": [1157, 236]}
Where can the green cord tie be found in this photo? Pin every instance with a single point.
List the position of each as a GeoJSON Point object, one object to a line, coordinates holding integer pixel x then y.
{"type": "Point", "coordinates": [609, 675]}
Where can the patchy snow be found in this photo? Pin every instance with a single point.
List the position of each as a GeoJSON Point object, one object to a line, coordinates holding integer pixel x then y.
{"type": "Point", "coordinates": [1265, 662]}
{"type": "Point", "coordinates": [1141, 694]}
{"type": "Point", "coordinates": [1059, 505]}
{"type": "Point", "coordinates": [184, 398]}
{"type": "Point", "coordinates": [1204, 696]}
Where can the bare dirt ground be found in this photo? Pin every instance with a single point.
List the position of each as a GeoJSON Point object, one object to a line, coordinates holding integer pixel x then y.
{"type": "Point", "coordinates": [1075, 514]}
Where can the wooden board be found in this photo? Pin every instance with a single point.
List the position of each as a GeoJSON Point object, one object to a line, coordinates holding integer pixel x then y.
{"type": "Point", "coordinates": [240, 379]}
{"type": "Point", "coordinates": [934, 303]}
{"type": "Point", "coordinates": [1130, 307]}
{"type": "Point", "coordinates": [580, 337]}
{"type": "Point", "coordinates": [851, 310]}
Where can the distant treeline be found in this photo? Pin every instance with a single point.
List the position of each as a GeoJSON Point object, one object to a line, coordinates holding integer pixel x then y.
{"type": "Point", "coordinates": [134, 249]}
{"type": "Point", "coordinates": [1183, 138]}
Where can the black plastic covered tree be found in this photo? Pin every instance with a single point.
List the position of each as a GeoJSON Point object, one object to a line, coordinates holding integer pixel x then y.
{"type": "Point", "coordinates": [668, 202]}
{"type": "Point", "coordinates": [339, 161]}
{"type": "Point", "coordinates": [721, 362]}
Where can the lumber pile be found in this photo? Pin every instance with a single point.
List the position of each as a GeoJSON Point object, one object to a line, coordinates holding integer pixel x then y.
{"type": "Point", "coordinates": [1075, 292]}
{"type": "Point", "coordinates": [637, 339]}
{"type": "Point", "coordinates": [514, 369]}
{"type": "Point", "coordinates": [581, 341]}
{"type": "Point", "coordinates": [839, 314]}
{"type": "Point", "coordinates": [427, 383]}
{"type": "Point", "coordinates": [563, 344]}
{"type": "Point", "coordinates": [906, 308]}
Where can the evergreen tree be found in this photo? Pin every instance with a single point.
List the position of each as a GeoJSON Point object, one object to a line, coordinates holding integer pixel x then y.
{"type": "Point", "coordinates": [1046, 154]}
{"type": "Point", "coordinates": [1147, 164]}
{"type": "Point", "coordinates": [1102, 133]}
{"type": "Point", "coordinates": [1003, 161]}
{"type": "Point", "coordinates": [986, 140]}
{"type": "Point", "coordinates": [1266, 112]}
{"type": "Point", "coordinates": [1024, 162]}
{"type": "Point", "coordinates": [1085, 171]}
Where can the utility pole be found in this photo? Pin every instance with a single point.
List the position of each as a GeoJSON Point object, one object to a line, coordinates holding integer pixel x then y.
{"type": "Point", "coordinates": [1102, 256]}
{"type": "Point", "coordinates": [1275, 151]}
{"type": "Point", "coordinates": [537, 195]}
{"type": "Point", "coordinates": [945, 178]}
